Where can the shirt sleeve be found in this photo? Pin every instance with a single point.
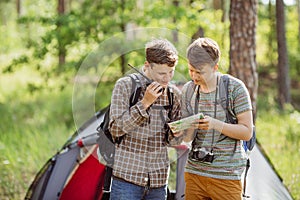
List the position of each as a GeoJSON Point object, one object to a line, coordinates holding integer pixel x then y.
{"type": "Point", "coordinates": [241, 101]}
{"type": "Point", "coordinates": [123, 118]}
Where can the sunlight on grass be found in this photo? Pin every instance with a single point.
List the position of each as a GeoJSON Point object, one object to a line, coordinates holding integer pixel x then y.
{"type": "Point", "coordinates": [33, 128]}
{"type": "Point", "coordinates": [279, 135]}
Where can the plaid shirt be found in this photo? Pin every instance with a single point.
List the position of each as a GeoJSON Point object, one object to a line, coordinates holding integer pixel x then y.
{"type": "Point", "coordinates": [142, 155]}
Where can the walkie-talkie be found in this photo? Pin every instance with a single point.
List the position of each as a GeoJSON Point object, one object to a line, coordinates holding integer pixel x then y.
{"type": "Point", "coordinates": [149, 81]}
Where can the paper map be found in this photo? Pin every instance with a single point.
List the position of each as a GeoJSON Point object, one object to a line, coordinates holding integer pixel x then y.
{"type": "Point", "coordinates": [184, 123]}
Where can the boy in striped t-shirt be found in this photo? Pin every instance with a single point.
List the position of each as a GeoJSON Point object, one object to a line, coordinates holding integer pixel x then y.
{"type": "Point", "coordinates": [216, 158]}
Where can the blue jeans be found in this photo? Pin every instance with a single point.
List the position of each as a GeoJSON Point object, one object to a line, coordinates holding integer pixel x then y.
{"type": "Point", "coordinates": [122, 190]}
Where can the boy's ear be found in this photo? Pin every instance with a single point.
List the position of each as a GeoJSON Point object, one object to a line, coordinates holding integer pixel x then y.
{"type": "Point", "coordinates": [216, 67]}
{"type": "Point", "coordinates": [147, 65]}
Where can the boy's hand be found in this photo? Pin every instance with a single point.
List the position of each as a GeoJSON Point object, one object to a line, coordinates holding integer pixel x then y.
{"type": "Point", "coordinates": [153, 91]}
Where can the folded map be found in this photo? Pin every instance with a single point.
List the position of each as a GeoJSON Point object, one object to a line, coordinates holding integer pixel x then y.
{"type": "Point", "coordinates": [184, 123]}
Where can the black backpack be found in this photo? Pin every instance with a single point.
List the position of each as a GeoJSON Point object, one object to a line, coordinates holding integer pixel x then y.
{"type": "Point", "coordinates": [105, 141]}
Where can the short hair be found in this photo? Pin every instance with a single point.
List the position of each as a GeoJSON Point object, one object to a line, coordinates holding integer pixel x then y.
{"type": "Point", "coordinates": [203, 51]}
{"type": "Point", "coordinates": [161, 51]}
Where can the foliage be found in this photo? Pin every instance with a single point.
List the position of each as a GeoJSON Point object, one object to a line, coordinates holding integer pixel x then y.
{"type": "Point", "coordinates": [80, 30]}
{"type": "Point", "coordinates": [283, 141]}
{"type": "Point", "coordinates": [266, 40]}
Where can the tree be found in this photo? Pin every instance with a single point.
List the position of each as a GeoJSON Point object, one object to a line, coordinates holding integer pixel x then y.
{"type": "Point", "coordinates": [18, 6]}
{"type": "Point", "coordinates": [298, 9]}
{"type": "Point", "coordinates": [61, 47]}
{"type": "Point", "coordinates": [284, 95]}
{"type": "Point", "coordinates": [243, 22]}
{"type": "Point", "coordinates": [272, 35]}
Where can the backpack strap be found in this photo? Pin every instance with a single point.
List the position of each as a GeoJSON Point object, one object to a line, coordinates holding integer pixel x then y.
{"type": "Point", "coordinates": [136, 89]}
{"type": "Point", "coordinates": [224, 98]}
{"type": "Point", "coordinates": [167, 129]}
{"type": "Point", "coordinates": [224, 101]}
{"type": "Point", "coordinates": [169, 107]}
{"type": "Point", "coordinates": [170, 94]}
{"type": "Point", "coordinates": [189, 94]}
{"type": "Point", "coordinates": [245, 176]}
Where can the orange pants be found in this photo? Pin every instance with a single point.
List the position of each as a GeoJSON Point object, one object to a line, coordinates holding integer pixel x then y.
{"type": "Point", "coordinates": [205, 188]}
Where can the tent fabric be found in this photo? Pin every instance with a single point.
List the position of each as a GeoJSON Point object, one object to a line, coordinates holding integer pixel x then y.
{"type": "Point", "coordinates": [182, 155]}
{"type": "Point", "coordinates": [40, 182]}
{"type": "Point", "coordinates": [64, 164]}
{"type": "Point", "coordinates": [87, 180]}
{"type": "Point", "coordinates": [68, 174]}
{"type": "Point", "coordinates": [262, 180]}
{"type": "Point", "coordinates": [50, 180]}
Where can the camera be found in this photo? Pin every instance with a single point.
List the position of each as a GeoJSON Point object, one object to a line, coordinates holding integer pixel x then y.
{"type": "Point", "coordinates": [201, 155]}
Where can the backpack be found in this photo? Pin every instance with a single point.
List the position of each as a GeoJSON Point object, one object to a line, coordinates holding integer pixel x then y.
{"type": "Point", "coordinates": [224, 100]}
{"type": "Point", "coordinates": [106, 142]}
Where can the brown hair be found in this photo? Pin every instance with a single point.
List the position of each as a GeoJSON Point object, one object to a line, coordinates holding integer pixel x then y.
{"type": "Point", "coordinates": [161, 51]}
{"type": "Point", "coordinates": [203, 51]}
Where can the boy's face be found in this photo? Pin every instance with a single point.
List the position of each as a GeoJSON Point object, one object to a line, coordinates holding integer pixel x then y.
{"type": "Point", "coordinates": [202, 75]}
{"type": "Point", "coordinates": [160, 73]}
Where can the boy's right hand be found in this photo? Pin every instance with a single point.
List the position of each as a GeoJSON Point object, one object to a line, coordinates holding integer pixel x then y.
{"type": "Point", "coordinates": [153, 91]}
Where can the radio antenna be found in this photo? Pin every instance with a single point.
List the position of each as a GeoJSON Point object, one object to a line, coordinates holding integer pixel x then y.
{"type": "Point", "coordinates": [138, 71]}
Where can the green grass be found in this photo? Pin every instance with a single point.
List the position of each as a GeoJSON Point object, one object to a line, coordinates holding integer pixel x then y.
{"type": "Point", "coordinates": [23, 152]}
{"type": "Point", "coordinates": [33, 127]}
{"type": "Point", "coordinates": [279, 135]}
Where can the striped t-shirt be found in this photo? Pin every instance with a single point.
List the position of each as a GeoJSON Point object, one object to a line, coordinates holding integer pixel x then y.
{"type": "Point", "coordinates": [227, 164]}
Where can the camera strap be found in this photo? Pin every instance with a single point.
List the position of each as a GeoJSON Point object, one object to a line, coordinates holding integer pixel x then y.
{"type": "Point", "coordinates": [215, 110]}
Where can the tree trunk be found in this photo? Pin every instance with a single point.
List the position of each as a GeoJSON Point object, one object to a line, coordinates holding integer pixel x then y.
{"type": "Point", "coordinates": [123, 28]}
{"type": "Point", "coordinates": [175, 32]}
{"type": "Point", "coordinates": [18, 5]}
{"type": "Point", "coordinates": [61, 48]}
{"type": "Point", "coordinates": [283, 66]}
{"type": "Point", "coordinates": [298, 9]}
{"type": "Point", "coordinates": [225, 10]}
{"type": "Point", "coordinates": [243, 22]}
{"type": "Point", "coordinates": [218, 4]}
{"type": "Point", "coordinates": [272, 34]}
{"type": "Point", "coordinates": [199, 33]}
